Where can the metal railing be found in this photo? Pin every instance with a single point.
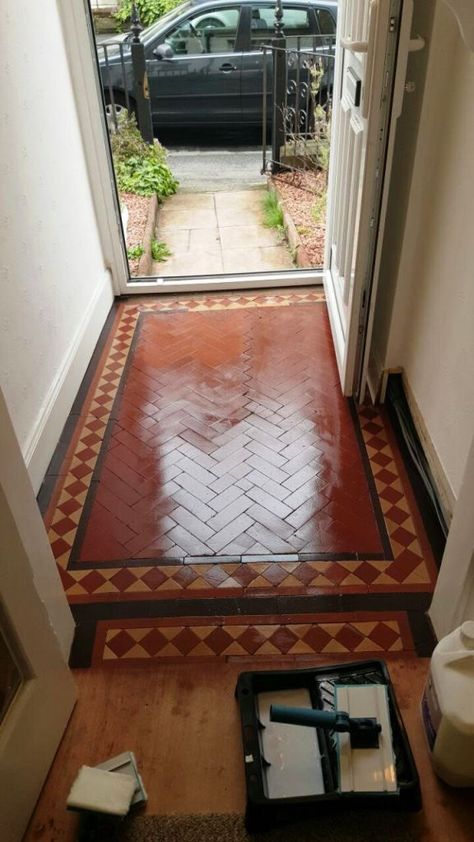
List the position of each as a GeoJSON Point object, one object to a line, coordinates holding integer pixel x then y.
{"type": "Point", "coordinates": [298, 83]}
{"type": "Point", "coordinates": [109, 79]}
{"type": "Point", "coordinates": [122, 68]}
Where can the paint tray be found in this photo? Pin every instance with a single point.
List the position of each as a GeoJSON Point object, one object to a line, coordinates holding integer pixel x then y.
{"type": "Point", "coordinates": [295, 772]}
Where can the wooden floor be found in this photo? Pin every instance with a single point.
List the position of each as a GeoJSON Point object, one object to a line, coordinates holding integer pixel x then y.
{"type": "Point", "coordinates": [182, 723]}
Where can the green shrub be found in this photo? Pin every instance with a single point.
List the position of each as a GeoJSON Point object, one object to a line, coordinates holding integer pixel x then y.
{"type": "Point", "coordinates": [140, 168]}
{"type": "Point", "coordinates": [127, 141]}
{"type": "Point", "coordinates": [149, 10]}
{"type": "Point", "coordinates": [159, 251]}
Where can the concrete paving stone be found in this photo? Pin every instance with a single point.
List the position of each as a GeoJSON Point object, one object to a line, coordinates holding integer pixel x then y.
{"type": "Point", "coordinates": [236, 215]}
{"type": "Point", "coordinates": [186, 218]}
{"type": "Point", "coordinates": [213, 233]}
{"type": "Point", "coordinates": [201, 201]}
{"type": "Point", "coordinates": [204, 239]}
{"type": "Point", "coordinates": [239, 199]}
{"type": "Point", "coordinates": [177, 239]}
{"type": "Point", "coordinates": [203, 263]}
{"type": "Point", "coordinates": [257, 259]}
{"type": "Point", "coordinates": [248, 236]}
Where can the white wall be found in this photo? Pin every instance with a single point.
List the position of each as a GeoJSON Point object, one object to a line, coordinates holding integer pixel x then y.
{"type": "Point", "coordinates": [431, 333]}
{"type": "Point", "coordinates": [56, 290]}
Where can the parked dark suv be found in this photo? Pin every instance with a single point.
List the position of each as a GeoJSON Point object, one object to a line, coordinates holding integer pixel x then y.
{"type": "Point", "coordinates": [204, 59]}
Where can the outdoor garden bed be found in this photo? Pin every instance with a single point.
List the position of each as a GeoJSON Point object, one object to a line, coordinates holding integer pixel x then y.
{"type": "Point", "coordinates": [302, 196]}
{"type": "Point", "coordinates": [142, 212]}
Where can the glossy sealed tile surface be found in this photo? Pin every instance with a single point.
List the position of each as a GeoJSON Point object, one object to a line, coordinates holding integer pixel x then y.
{"type": "Point", "coordinates": [223, 441]}
{"type": "Point", "coordinates": [213, 455]}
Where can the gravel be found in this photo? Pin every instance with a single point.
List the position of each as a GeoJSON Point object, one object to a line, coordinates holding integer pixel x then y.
{"type": "Point", "coordinates": [298, 192]}
{"type": "Point", "coordinates": [137, 217]}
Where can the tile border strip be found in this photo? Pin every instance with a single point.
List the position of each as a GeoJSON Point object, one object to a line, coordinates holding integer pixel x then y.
{"type": "Point", "coordinates": [263, 635]}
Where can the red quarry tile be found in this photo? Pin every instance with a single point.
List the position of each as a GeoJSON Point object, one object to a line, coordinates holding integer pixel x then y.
{"type": "Point", "coordinates": [218, 640]}
{"type": "Point", "coordinates": [201, 375]}
{"type": "Point", "coordinates": [349, 636]}
{"type": "Point", "coordinates": [123, 579]}
{"type": "Point", "coordinates": [251, 639]}
{"type": "Point", "coordinates": [317, 638]}
{"type": "Point", "coordinates": [384, 636]}
{"type": "Point", "coordinates": [153, 642]}
{"type": "Point", "coordinates": [154, 578]}
{"type": "Point", "coordinates": [121, 643]}
{"type": "Point", "coordinates": [185, 640]}
{"type": "Point", "coordinates": [284, 639]}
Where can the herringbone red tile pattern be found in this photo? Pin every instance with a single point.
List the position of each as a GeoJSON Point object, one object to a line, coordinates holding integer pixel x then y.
{"type": "Point", "coordinates": [231, 437]}
{"type": "Point", "coordinates": [258, 636]}
{"type": "Point", "coordinates": [412, 567]}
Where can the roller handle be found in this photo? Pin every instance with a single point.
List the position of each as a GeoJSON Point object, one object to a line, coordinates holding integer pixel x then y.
{"type": "Point", "coordinates": [327, 719]}
{"type": "Point", "coordinates": [330, 720]}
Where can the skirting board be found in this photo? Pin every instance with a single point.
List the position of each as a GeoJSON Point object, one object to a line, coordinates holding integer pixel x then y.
{"type": "Point", "coordinates": [57, 404]}
{"type": "Point", "coordinates": [443, 487]}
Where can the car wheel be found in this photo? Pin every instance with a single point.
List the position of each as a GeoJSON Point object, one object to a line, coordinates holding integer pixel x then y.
{"type": "Point", "coordinates": [119, 107]}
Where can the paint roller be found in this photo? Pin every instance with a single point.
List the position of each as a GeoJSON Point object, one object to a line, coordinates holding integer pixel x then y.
{"type": "Point", "coordinates": [363, 730]}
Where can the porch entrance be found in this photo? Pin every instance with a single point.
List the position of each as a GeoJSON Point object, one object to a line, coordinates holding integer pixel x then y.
{"type": "Point", "coordinates": [355, 97]}
{"type": "Point", "coordinates": [185, 82]}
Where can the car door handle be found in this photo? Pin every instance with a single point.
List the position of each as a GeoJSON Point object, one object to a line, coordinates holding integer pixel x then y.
{"type": "Point", "coordinates": [227, 67]}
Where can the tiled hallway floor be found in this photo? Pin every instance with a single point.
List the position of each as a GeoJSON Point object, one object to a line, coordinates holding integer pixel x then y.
{"type": "Point", "coordinates": [219, 497]}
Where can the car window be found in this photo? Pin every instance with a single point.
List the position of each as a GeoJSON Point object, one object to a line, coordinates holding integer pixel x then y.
{"type": "Point", "coordinates": [326, 22]}
{"type": "Point", "coordinates": [296, 22]}
{"type": "Point", "coordinates": [212, 31]}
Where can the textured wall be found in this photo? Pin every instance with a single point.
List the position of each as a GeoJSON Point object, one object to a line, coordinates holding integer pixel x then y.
{"type": "Point", "coordinates": [51, 264]}
{"type": "Point", "coordinates": [431, 334]}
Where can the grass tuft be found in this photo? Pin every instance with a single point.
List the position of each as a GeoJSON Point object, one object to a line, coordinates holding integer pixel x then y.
{"type": "Point", "coordinates": [134, 252]}
{"type": "Point", "coordinates": [318, 211]}
{"type": "Point", "coordinates": [272, 212]}
{"type": "Point", "coordinates": [159, 251]}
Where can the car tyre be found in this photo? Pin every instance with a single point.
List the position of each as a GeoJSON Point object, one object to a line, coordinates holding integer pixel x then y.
{"type": "Point", "coordinates": [120, 105]}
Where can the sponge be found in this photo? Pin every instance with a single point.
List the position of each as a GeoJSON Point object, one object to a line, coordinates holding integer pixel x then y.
{"type": "Point", "coordinates": [101, 792]}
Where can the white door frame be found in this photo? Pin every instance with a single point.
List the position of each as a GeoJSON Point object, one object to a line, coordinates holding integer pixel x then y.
{"type": "Point", "coordinates": [39, 626]}
{"type": "Point", "coordinates": [78, 38]}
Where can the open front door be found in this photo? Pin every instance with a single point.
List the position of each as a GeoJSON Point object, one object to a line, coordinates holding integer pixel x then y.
{"type": "Point", "coordinates": [367, 41]}
{"type": "Point", "coordinates": [37, 692]}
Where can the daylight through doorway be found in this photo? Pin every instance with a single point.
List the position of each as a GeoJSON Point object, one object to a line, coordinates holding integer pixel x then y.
{"type": "Point", "coordinates": [220, 171]}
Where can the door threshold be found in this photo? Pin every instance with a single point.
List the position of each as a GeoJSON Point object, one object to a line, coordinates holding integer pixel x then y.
{"type": "Point", "coordinates": [209, 283]}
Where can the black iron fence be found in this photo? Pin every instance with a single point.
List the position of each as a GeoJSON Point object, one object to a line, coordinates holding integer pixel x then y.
{"type": "Point", "coordinates": [298, 87]}
{"type": "Point", "coordinates": [122, 67]}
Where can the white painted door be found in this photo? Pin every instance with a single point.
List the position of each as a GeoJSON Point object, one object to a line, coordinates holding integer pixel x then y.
{"type": "Point", "coordinates": [37, 693]}
{"type": "Point", "coordinates": [367, 41]}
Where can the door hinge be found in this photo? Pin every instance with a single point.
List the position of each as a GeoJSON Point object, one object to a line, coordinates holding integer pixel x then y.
{"type": "Point", "coordinates": [363, 299]}
{"type": "Point", "coordinates": [393, 24]}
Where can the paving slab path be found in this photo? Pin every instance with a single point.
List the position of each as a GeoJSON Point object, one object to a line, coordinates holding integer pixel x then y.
{"type": "Point", "coordinates": [215, 233]}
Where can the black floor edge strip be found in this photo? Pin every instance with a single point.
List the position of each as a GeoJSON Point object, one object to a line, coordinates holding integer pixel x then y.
{"type": "Point", "coordinates": [412, 453]}
{"type": "Point", "coordinates": [48, 485]}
